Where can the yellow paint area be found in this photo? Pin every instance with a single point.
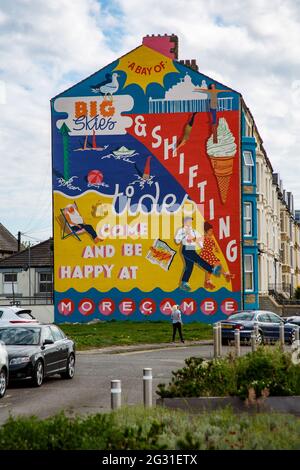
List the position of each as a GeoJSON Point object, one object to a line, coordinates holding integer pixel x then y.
{"type": "Point", "coordinates": [144, 65]}
{"type": "Point", "coordinates": [120, 259]}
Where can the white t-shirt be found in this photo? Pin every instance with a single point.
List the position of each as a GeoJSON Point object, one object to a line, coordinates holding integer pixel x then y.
{"type": "Point", "coordinates": [186, 236]}
{"type": "Point", "coordinates": [75, 217]}
{"type": "Point", "coordinates": [176, 317]}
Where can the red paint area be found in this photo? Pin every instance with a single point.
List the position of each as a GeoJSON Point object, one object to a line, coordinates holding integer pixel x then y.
{"type": "Point", "coordinates": [195, 154]}
{"type": "Point", "coordinates": [163, 44]}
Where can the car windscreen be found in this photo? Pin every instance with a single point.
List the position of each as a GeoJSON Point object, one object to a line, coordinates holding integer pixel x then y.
{"type": "Point", "coordinates": [242, 316]}
{"type": "Point", "coordinates": [20, 336]}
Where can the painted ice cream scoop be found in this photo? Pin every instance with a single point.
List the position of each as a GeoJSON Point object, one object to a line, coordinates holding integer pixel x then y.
{"type": "Point", "coordinates": [221, 155]}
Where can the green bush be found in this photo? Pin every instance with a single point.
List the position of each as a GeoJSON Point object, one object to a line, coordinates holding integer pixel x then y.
{"type": "Point", "coordinates": [201, 378]}
{"type": "Point", "coordinates": [297, 293]}
{"type": "Point", "coordinates": [157, 429]}
{"type": "Point", "coordinates": [268, 370]}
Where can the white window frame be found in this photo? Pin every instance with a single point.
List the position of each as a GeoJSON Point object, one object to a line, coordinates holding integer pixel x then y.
{"type": "Point", "coordinates": [45, 282]}
{"type": "Point", "coordinates": [248, 166]}
{"type": "Point", "coordinates": [248, 218]}
{"type": "Point", "coordinates": [248, 271]}
{"type": "Point", "coordinates": [7, 285]}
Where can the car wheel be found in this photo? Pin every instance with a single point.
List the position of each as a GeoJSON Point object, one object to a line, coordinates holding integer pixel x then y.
{"type": "Point", "coordinates": [3, 382]}
{"type": "Point", "coordinates": [224, 342]}
{"type": "Point", "coordinates": [259, 338]}
{"type": "Point", "coordinates": [70, 369]}
{"type": "Point", "coordinates": [38, 374]}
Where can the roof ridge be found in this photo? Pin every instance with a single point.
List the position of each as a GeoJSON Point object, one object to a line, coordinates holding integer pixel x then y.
{"type": "Point", "coordinates": [22, 253]}
{"type": "Point", "coordinates": [7, 231]}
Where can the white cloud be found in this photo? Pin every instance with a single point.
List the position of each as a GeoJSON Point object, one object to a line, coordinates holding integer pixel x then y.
{"type": "Point", "coordinates": [251, 46]}
{"type": "Point", "coordinates": [45, 47]}
{"type": "Point", "coordinates": [42, 45]}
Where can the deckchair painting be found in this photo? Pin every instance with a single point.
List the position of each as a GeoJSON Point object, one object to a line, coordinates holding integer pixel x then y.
{"type": "Point", "coordinates": [67, 229]}
{"type": "Point", "coordinates": [73, 224]}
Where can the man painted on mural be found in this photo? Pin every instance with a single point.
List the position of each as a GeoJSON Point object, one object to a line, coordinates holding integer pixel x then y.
{"type": "Point", "coordinates": [190, 240]}
{"type": "Point", "coordinates": [213, 105]}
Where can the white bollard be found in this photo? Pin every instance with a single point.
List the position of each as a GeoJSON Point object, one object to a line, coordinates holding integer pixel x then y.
{"type": "Point", "coordinates": [256, 329]}
{"type": "Point", "coordinates": [297, 333]}
{"type": "Point", "coordinates": [237, 342]}
{"type": "Point", "coordinates": [220, 338]}
{"type": "Point", "coordinates": [147, 387]}
{"type": "Point", "coordinates": [281, 335]}
{"type": "Point", "coordinates": [115, 394]}
{"type": "Point", "coordinates": [253, 342]}
{"type": "Point", "coordinates": [216, 340]}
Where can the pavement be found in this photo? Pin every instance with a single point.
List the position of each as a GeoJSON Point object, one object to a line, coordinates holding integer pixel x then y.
{"type": "Point", "coordinates": [144, 347]}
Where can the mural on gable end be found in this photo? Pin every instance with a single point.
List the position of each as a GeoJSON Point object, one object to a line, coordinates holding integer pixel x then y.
{"type": "Point", "coordinates": [146, 191]}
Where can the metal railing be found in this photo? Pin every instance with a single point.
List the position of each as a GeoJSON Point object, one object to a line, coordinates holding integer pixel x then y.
{"type": "Point", "coordinates": [283, 294]}
{"type": "Point", "coordinates": [282, 287]}
{"type": "Point", "coordinates": [181, 106]}
{"type": "Point", "coordinates": [20, 301]}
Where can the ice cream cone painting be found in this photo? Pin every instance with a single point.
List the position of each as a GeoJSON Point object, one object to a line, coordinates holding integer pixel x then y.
{"type": "Point", "coordinates": [222, 154]}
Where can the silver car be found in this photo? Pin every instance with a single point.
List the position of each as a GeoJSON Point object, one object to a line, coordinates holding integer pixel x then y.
{"type": "Point", "coordinates": [16, 315]}
{"type": "Point", "coordinates": [3, 369]}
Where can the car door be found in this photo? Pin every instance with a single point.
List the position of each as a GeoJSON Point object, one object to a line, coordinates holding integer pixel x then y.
{"type": "Point", "coordinates": [49, 351]}
{"type": "Point", "coordinates": [61, 347]}
{"type": "Point", "coordinates": [265, 325]}
{"type": "Point", "coordinates": [275, 322]}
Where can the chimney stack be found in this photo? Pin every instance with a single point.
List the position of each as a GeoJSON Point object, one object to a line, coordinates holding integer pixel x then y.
{"type": "Point", "coordinates": [166, 44]}
{"type": "Point", "coordinates": [192, 64]}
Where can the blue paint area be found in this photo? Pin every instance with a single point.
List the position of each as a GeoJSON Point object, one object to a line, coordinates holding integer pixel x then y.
{"type": "Point", "coordinates": [249, 195]}
{"type": "Point", "coordinates": [153, 90]}
{"type": "Point", "coordinates": [84, 88]}
{"type": "Point", "coordinates": [115, 172]}
{"type": "Point", "coordinates": [157, 295]}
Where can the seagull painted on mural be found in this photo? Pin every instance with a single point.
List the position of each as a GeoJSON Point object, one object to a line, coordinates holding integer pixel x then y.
{"type": "Point", "coordinates": [109, 86]}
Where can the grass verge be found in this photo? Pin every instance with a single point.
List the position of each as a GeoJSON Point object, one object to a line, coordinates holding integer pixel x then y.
{"type": "Point", "coordinates": [113, 333]}
{"type": "Point", "coordinates": [158, 428]}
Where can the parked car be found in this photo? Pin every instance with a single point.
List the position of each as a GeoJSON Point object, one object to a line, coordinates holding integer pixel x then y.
{"type": "Point", "coordinates": [16, 315]}
{"type": "Point", "coordinates": [38, 351]}
{"type": "Point", "coordinates": [268, 326]}
{"type": "Point", "coordinates": [3, 369]}
{"type": "Point", "coordinates": [295, 320]}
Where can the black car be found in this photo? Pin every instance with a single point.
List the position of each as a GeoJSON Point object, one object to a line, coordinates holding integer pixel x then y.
{"type": "Point", "coordinates": [295, 320]}
{"type": "Point", "coordinates": [268, 327]}
{"type": "Point", "coordinates": [38, 351]}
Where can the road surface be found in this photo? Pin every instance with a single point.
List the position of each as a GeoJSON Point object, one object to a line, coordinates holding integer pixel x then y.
{"type": "Point", "coordinates": [89, 391]}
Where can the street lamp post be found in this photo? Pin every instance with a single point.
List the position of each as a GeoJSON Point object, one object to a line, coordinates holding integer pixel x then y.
{"type": "Point", "coordinates": [275, 265]}
{"type": "Point", "coordinates": [29, 271]}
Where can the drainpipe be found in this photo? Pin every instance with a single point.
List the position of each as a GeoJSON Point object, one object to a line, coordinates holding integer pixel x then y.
{"type": "Point", "coordinates": [29, 271]}
{"type": "Point", "coordinates": [19, 241]}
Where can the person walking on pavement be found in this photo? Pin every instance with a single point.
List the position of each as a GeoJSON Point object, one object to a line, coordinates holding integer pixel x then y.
{"type": "Point", "coordinates": [177, 322]}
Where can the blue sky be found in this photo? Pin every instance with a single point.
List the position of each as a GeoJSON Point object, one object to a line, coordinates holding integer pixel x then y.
{"type": "Point", "coordinates": [45, 47]}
